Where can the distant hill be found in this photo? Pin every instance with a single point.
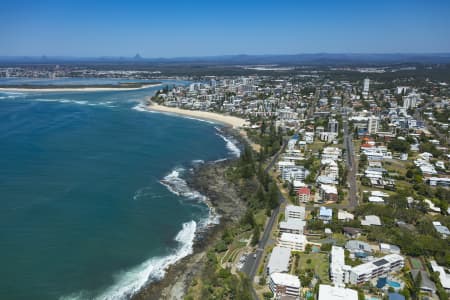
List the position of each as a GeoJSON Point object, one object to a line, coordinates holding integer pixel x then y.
{"type": "Point", "coordinates": [243, 59]}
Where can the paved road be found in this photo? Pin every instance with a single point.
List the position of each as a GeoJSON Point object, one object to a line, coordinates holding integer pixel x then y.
{"type": "Point", "coordinates": [253, 260]}
{"type": "Point", "coordinates": [350, 163]}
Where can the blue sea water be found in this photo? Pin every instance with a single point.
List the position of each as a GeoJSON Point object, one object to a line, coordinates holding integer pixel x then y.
{"type": "Point", "coordinates": [92, 199]}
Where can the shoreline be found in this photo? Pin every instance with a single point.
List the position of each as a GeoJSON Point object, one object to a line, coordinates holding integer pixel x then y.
{"type": "Point", "coordinates": [208, 180]}
{"type": "Point", "coordinates": [231, 121]}
{"type": "Point", "coordinates": [77, 89]}
{"type": "Point", "coordinates": [234, 122]}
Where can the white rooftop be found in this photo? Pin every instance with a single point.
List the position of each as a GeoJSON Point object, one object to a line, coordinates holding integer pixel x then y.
{"type": "Point", "coordinates": [328, 292]}
{"type": "Point", "coordinates": [329, 189]}
{"type": "Point", "coordinates": [377, 263]}
{"type": "Point", "coordinates": [279, 260]}
{"type": "Point", "coordinates": [295, 209]}
{"type": "Point", "coordinates": [293, 224]}
{"type": "Point", "coordinates": [376, 199]}
{"type": "Point", "coordinates": [379, 194]}
{"type": "Point", "coordinates": [293, 238]}
{"type": "Point", "coordinates": [443, 276]}
{"type": "Point", "coordinates": [342, 215]}
{"type": "Point", "coordinates": [371, 220]}
{"type": "Point", "coordinates": [285, 279]}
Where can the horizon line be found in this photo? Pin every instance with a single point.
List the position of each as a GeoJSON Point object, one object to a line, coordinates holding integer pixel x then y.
{"type": "Point", "coordinates": [139, 56]}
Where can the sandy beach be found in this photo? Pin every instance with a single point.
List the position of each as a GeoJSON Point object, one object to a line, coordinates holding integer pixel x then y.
{"type": "Point", "coordinates": [234, 122]}
{"type": "Point", "coordinates": [76, 89]}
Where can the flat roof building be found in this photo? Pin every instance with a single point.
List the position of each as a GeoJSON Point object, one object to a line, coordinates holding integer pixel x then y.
{"type": "Point", "coordinates": [339, 271]}
{"type": "Point", "coordinates": [282, 284]}
{"type": "Point", "coordinates": [295, 242]}
{"type": "Point", "coordinates": [279, 260]}
{"type": "Point", "coordinates": [328, 292]}
{"type": "Point", "coordinates": [376, 268]}
{"type": "Point", "coordinates": [295, 212]}
{"type": "Point", "coordinates": [292, 225]}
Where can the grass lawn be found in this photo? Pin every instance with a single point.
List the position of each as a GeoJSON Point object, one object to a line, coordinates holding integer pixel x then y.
{"type": "Point", "coordinates": [260, 217]}
{"type": "Point", "coordinates": [316, 146]}
{"type": "Point", "coordinates": [319, 263]}
{"type": "Point", "coordinates": [416, 263]}
{"type": "Point", "coordinates": [397, 166]}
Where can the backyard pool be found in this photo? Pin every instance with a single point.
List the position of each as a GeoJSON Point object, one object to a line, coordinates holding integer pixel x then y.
{"type": "Point", "coordinates": [382, 282]}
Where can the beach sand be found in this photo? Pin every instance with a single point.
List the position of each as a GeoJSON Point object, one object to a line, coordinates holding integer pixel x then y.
{"type": "Point", "coordinates": [234, 122]}
{"type": "Point", "coordinates": [77, 89]}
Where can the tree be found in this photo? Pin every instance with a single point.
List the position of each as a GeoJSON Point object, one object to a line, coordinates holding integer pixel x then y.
{"type": "Point", "coordinates": [398, 145]}
{"type": "Point", "coordinates": [273, 195]}
{"type": "Point", "coordinates": [255, 237]}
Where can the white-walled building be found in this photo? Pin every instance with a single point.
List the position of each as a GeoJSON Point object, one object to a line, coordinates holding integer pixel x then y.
{"type": "Point", "coordinates": [292, 225]}
{"type": "Point", "coordinates": [285, 164]}
{"type": "Point", "coordinates": [372, 125]}
{"type": "Point", "coordinates": [328, 292]}
{"type": "Point", "coordinates": [366, 85]}
{"type": "Point", "coordinates": [279, 260]}
{"type": "Point", "coordinates": [376, 268]}
{"type": "Point", "coordinates": [339, 271]}
{"type": "Point", "coordinates": [295, 212]}
{"type": "Point", "coordinates": [282, 284]}
{"type": "Point", "coordinates": [295, 242]}
{"type": "Point", "coordinates": [444, 277]}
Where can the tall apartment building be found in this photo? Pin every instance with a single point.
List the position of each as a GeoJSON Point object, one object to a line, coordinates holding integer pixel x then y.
{"type": "Point", "coordinates": [295, 242]}
{"type": "Point", "coordinates": [282, 284]}
{"type": "Point", "coordinates": [372, 126]}
{"type": "Point", "coordinates": [376, 268]}
{"type": "Point", "coordinates": [295, 212]}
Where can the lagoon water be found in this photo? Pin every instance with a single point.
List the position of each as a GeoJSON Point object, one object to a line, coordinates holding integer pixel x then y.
{"type": "Point", "coordinates": [92, 198]}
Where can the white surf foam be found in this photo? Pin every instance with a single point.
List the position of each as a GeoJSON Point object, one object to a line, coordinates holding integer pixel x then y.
{"type": "Point", "coordinates": [198, 161]}
{"type": "Point", "coordinates": [231, 146]}
{"type": "Point", "coordinates": [177, 185]}
{"type": "Point", "coordinates": [140, 107]}
{"type": "Point", "coordinates": [11, 95]}
{"type": "Point", "coordinates": [130, 282]}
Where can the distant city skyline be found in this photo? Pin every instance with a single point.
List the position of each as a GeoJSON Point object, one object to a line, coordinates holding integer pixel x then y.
{"type": "Point", "coordinates": [204, 28]}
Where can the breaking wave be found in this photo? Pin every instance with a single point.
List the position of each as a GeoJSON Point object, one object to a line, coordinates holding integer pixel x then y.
{"type": "Point", "coordinates": [230, 144]}
{"type": "Point", "coordinates": [130, 282]}
{"type": "Point", "coordinates": [175, 183]}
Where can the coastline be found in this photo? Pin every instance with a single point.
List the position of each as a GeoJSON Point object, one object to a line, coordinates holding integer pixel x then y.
{"type": "Point", "coordinates": [76, 89]}
{"type": "Point", "coordinates": [209, 179]}
{"type": "Point", "coordinates": [232, 121]}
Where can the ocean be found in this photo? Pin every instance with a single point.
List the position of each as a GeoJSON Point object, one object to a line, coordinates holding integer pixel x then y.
{"type": "Point", "coordinates": [93, 201]}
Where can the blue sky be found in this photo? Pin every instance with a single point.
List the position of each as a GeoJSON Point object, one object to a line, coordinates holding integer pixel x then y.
{"type": "Point", "coordinates": [200, 28]}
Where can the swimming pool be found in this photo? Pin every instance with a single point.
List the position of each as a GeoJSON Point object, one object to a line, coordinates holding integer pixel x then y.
{"type": "Point", "coordinates": [393, 284]}
{"type": "Point", "coordinates": [382, 282]}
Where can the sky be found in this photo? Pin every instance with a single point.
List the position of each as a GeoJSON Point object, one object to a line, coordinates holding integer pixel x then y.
{"type": "Point", "coordinates": [207, 28]}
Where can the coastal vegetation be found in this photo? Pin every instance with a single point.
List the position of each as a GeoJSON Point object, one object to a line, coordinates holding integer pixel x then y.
{"type": "Point", "coordinates": [260, 194]}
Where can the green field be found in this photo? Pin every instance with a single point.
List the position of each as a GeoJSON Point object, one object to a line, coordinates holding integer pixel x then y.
{"type": "Point", "coordinates": [318, 262]}
{"type": "Point", "coordinates": [416, 263]}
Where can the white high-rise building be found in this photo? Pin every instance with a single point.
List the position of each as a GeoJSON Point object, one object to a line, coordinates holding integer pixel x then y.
{"type": "Point", "coordinates": [410, 101]}
{"type": "Point", "coordinates": [282, 284]}
{"type": "Point", "coordinates": [376, 268]}
{"type": "Point", "coordinates": [295, 242]}
{"type": "Point", "coordinates": [333, 125]}
{"type": "Point", "coordinates": [372, 126]}
{"type": "Point", "coordinates": [339, 271]}
{"type": "Point", "coordinates": [295, 212]}
{"type": "Point", "coordinates": [366, 85]}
